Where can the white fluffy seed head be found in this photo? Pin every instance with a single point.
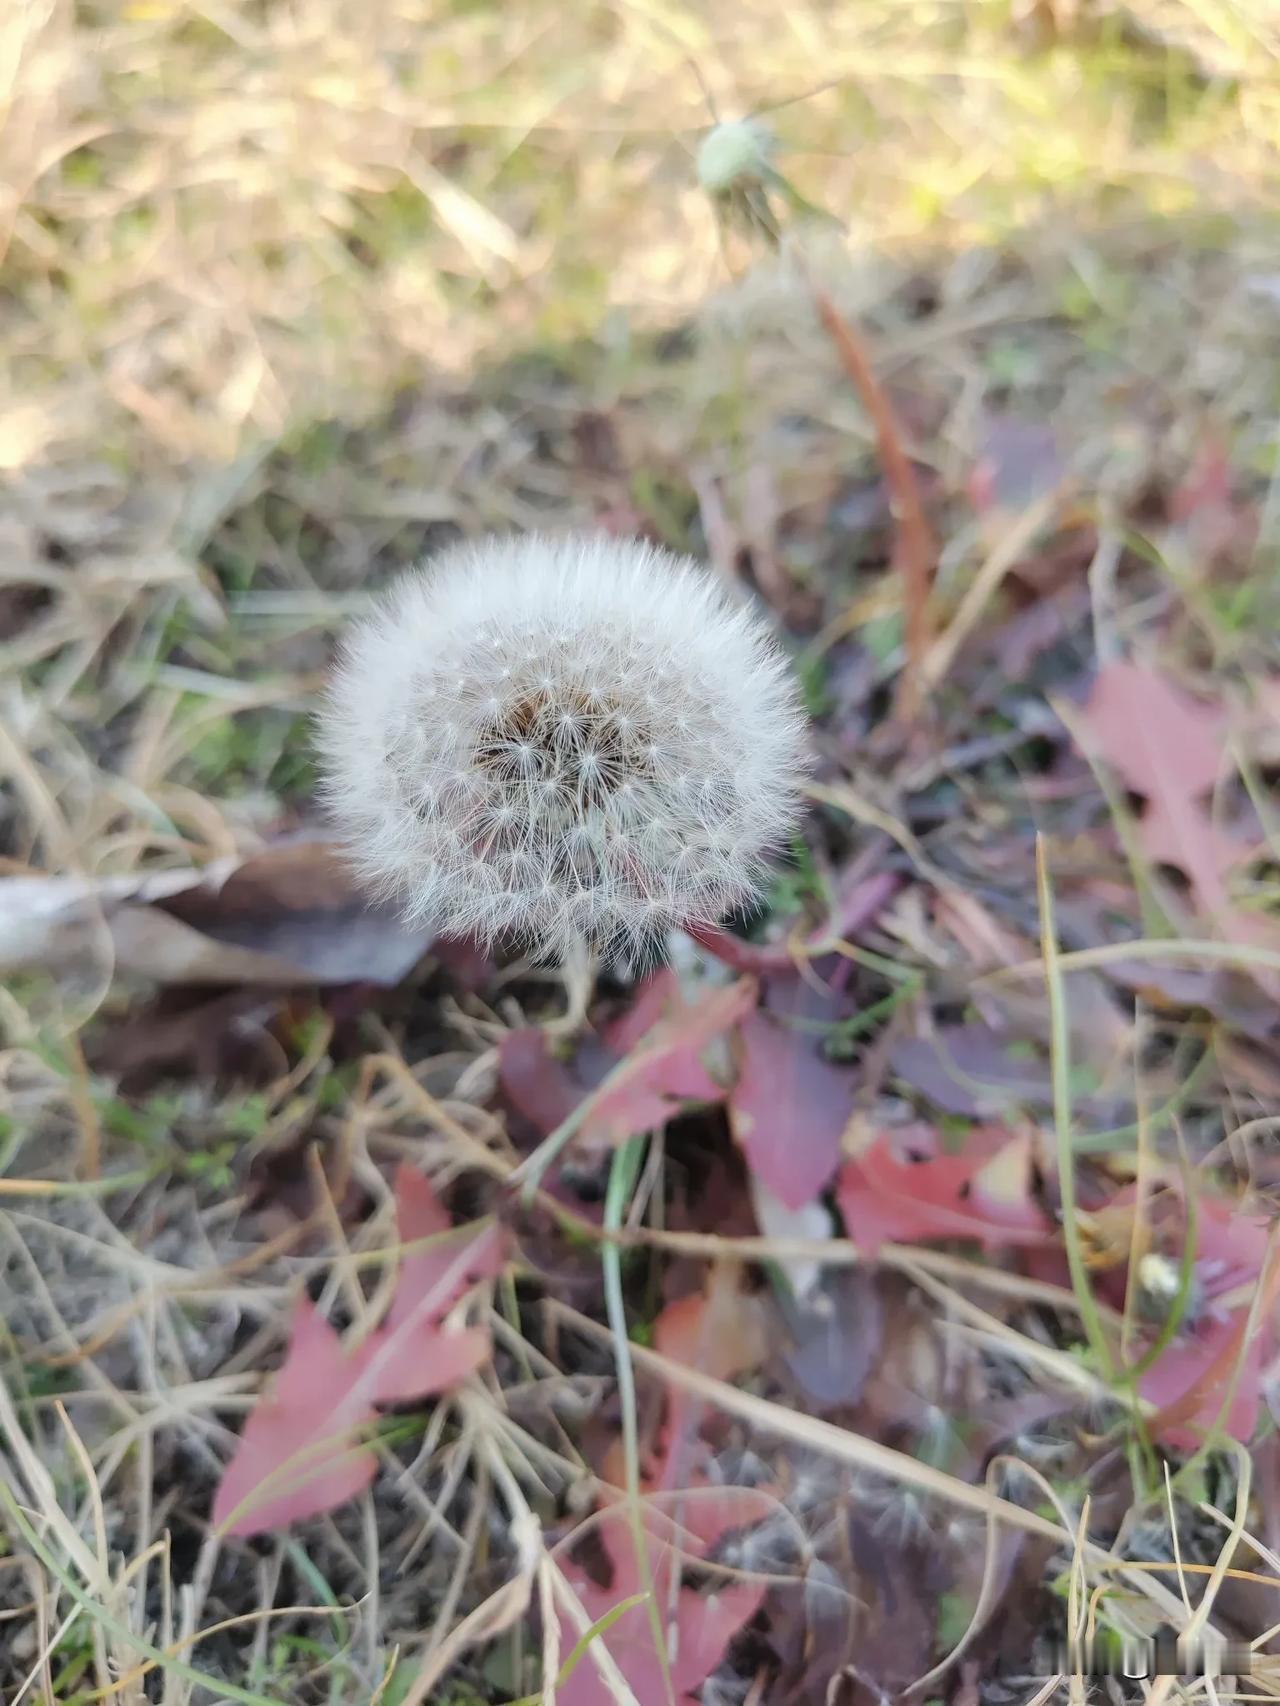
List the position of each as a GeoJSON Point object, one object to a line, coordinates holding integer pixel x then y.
{"type": "Point", "coordinates": [737, 152]}
{"type": "Point", "coordinates": [567, 741]}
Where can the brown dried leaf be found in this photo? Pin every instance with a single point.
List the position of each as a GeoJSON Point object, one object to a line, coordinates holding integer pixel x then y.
{"type": "Point", "coordinates": [289, 914]}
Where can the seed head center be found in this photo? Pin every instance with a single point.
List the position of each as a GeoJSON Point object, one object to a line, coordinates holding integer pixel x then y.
{"type": "Point", "coordinates": [578, 739]}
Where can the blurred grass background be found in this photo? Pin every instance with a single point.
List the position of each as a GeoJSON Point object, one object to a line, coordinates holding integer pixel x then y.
{"type": "Point", "coordinates": [291, 291]}
{"type": "Point", "coordinates": [224, 220]}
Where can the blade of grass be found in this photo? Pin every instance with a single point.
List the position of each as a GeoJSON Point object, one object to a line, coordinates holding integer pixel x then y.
{"type": "Point", "coordinates": [623, 1173]}
{"type": "Point", "coordinates": [1142, 948]}
{"type": "Point", "coordinates": [1141, 1189]}
{"type": "Point", "coordinates": [124, 1684]}
{"type": "Point", "coordinates": [99, 1613]}
{"type": "Point", "coordinates": [133, 1180]}
{"type": "Point", "coordinates": [1186, 1274]}
{"type": "Point", "coordinates": [1060, 1070]}
{"type": "Point", "coordinates": [601, 1626]}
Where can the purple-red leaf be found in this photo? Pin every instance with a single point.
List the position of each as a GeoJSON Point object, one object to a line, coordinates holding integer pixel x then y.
{"type": "Point", "coordinates": [968, 1070]}
{"type": "Point", "coordinates": [788, 1108]}
{"type": "Point", "coordinates": [720, 1331]}
{"type": "Point", "coordinates": [1219, 1371]}
{"type": "Point", "coordinates": [1215, 523]}
{"type": "Point", "coordinates": [663, 1066]}
{"type": "Point", "coordinates": [1210, 1375]}
{"type": "Point", "coordinates": [651, 1001]}
{"type": "Point", "coordinates": [1163, 744]}
{"type": "Point", "coordinates": [434, 1276]}
{"type": "Point", "coordinates": [1020, 464]}
{"type": "Point", "coordinates": [535, 1083]}
{"type": "Point", "coordinates": [659, 1043]}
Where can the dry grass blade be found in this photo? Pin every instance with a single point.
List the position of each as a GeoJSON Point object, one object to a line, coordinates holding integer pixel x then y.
{"type": "Point", "coordinates": [941, 654]}
{"type": "Point", "coordinates": [623, 1174]}
{"type": "Point", "coordinates": [915, 1261]}
{"type": "Point", "coordinates": [1060, 1061]}
{"type": "Point", "coordinates": [1150, 948]}
{"type": "Point", "coordinates": [825, 1439]}
{"type": "Point", "coordinates": [99, 1615]}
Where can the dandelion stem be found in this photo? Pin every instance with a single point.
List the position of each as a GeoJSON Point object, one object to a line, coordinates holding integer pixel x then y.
{"type": "Point", "coordinates": [914, 552]}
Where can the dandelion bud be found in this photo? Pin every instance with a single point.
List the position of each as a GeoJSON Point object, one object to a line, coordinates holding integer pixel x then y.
{"type": "Point", "coordinates": [574, 742]}
{"type": "Point", "coordinates": [733, 153]}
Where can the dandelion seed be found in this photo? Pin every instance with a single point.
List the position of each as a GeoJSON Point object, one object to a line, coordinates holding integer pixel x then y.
{"type": "Point", "coordinates": [559, 697]}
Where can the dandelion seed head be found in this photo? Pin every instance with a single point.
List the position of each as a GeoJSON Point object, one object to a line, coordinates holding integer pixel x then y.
{"type": "Point", "coordinates": [736, 152]}
{"type": "Point", "coordinates": [572, 740]}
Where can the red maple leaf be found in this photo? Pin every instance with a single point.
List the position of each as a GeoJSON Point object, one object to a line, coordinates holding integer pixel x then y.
{"type": "Point", "coordinates": [1209, 1375]}
{"type": "Point", "coordinates": [1172, 750]}
{"type": "Point", "coordinates": [305, 1448]}
{"type": "Point", "coordinates": [697, 1624]}
{"type": "Point", "coordinates": [901, 1189]}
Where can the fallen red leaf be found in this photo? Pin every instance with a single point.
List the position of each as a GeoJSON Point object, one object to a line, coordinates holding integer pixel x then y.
{"type": "Point", "coordinates": [651, 1001]}
{"type": "Point", "coordinates": [1020, 463]}
{"type": "Point", "coordinates": [301, 1451]}
{"type": "Point", "coordinates": [1192, 1377]}
{"type": "Point", "coordinates": [304, 1449]}
{"type": "Point", "coordinates": [659, 1040]}
{"type": "Point", "coordinates": [704, 1622]}
{"type": "Point", "coordinates": [541, 1087]}
{"type": "Point", "coordinates": [664, 1066]}
{"type": "Point", "coordinates": [1218, 526]}
{"type": "Point", "coordinates": [716, 1330]}
{"type": "Point", "coordinates": [1170, 749]}
{"type": "Point", "coordinates": [443, 1270]}
{"type": "Point", "coordinates": [970, 1070]}
{"type": "Point", "coordinates": [720, 1331]}
{"type": "Point", "coordinates": [788, 1109]}
{"type": "Point", "coordinates": [410, 1349]}
{"type": "Point", "coordinates": [886, 1196]}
